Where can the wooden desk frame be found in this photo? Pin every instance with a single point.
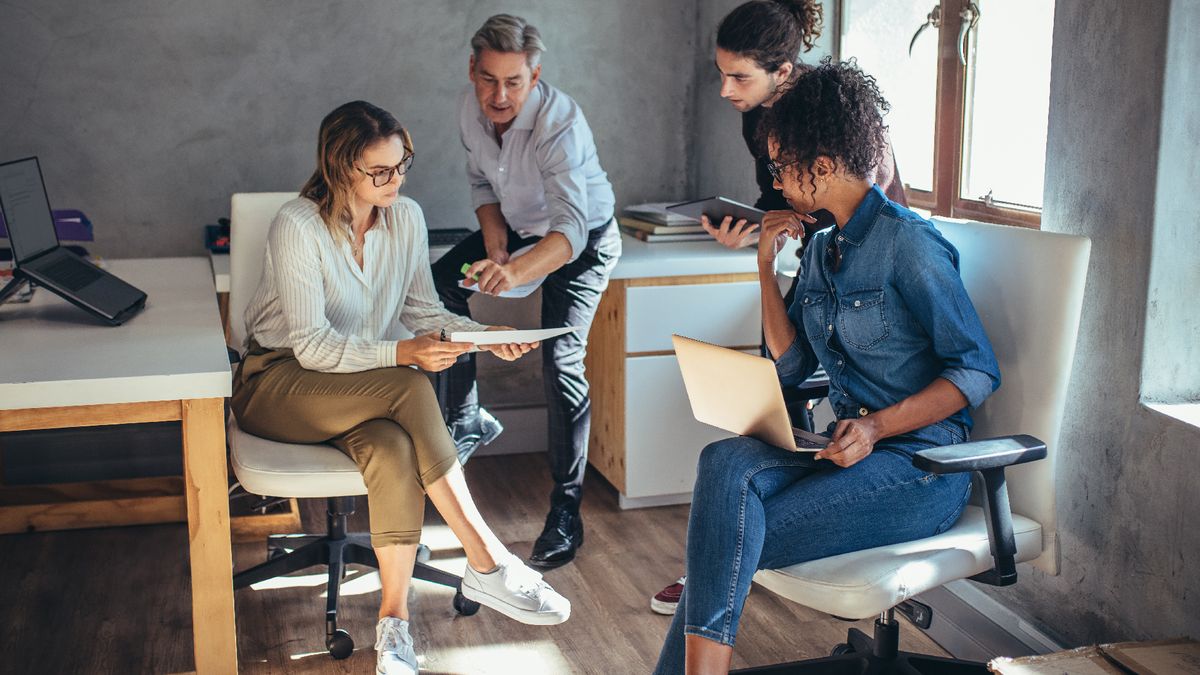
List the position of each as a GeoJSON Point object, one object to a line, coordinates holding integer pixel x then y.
{"type": "Point", "coordinates": [206, 485]}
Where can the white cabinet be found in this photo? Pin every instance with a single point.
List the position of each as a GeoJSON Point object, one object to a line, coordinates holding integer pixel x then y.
{"type": "Point", "coordinates": [644, 439]}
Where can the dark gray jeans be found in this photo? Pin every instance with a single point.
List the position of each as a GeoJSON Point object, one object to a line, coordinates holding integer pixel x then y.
{"type": "Point", "coordinates": [570, 296]}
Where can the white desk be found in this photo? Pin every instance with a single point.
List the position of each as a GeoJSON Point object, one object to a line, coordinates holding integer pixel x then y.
{"type": "Point", "coordinates": [644, 439]}
{"type": "Point", "coordinates": [62, 368]}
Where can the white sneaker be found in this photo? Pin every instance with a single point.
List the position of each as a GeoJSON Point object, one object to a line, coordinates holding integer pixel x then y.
{"type": "Point", "coordinates": [394, 653]}
{"type": "Point", "coordinates": [517, 592]}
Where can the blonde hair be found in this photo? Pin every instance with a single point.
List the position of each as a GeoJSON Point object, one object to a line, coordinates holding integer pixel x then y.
{"type": "Point", "coordinates": [345, 134]}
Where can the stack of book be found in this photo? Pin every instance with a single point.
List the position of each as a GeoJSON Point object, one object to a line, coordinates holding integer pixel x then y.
{"type": "Point", "coordinates": [654, 223]}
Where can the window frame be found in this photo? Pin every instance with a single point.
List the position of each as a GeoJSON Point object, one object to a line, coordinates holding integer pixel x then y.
{"type": "Point", "coordinates": [949, 131]}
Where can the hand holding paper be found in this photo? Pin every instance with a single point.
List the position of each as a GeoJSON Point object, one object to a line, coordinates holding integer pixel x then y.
{"type": "Point", "coordinates": [499, 337]}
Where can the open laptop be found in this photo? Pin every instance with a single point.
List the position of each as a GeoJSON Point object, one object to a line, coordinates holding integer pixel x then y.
{"type": "Point", "coordinates": [39, 258]}
{"type": "Point", "coordinates": [739, 393]}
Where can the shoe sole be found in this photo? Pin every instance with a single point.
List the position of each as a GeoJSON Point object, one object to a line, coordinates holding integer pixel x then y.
{"type": "Point", "coordinates": [665, 608]}
{"type": "Point", "coordinates": [524, 616]}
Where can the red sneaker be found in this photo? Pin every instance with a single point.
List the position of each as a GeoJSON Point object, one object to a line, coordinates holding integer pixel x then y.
{"type": "Point", "coordinates": [666, 600]}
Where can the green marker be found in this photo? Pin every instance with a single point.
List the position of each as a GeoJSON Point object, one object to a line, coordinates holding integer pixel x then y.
{"type": "Point", "coordinates": [465, 267]}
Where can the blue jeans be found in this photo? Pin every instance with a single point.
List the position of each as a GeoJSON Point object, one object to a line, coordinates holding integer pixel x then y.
{"type": "Point", "coordinates": [755, 506]}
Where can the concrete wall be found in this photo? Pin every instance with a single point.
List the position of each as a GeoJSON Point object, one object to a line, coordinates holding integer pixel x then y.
{"type": "Point", "coordinates": [1122, 130]}
{"type": "Point", "coordinates": [148, 115]}
{"type": "Point", "coordinates": [1171, 371]}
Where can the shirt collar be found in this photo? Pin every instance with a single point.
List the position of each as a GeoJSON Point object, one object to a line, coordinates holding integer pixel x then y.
{"type": "Point", "coordinates": [529, 111]}
{"type": "Point", "coordinates": [859, 225]}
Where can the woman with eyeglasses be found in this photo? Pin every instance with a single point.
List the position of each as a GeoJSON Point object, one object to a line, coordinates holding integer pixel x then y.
{"type": "Point", "coordinates": [757, 57]}
{"type": "Point", "coordinates": [346, 304]}
{"type": "Point", "coordinates": [880, 305]}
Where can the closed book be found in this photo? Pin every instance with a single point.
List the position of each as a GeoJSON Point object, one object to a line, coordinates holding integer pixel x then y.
{"type": "Point", "coordinates": [659, 238]}
{"type": "Point", "coordinates": [656, 212]}
{"type": "Point", "coordinates": [655, 228]}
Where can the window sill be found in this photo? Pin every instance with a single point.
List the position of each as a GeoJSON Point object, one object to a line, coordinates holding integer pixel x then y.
{"type": "Point", "coordinates": [1188, 413]}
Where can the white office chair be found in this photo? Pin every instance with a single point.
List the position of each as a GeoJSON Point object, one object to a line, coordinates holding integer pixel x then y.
{"type": "Point", "coordinates": [269, 468]}
{"type": "Point", "coordinates": [1028, 287]}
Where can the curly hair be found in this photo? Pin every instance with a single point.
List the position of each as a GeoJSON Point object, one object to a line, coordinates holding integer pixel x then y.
{"type": "Point", "coordinates": [771, 32]}
{"type": "Point", "coordinates": [832, 109]}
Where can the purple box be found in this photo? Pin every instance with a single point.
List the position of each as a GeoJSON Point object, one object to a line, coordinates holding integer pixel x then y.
{"type": "Point", "coordinates": [70, 224]}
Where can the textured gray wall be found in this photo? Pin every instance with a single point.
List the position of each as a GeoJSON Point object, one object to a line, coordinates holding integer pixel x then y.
{"type": "Point", "coordinates": [1171, 371]}
{"type": "Point", "coordinates": [148, 115]}
{"type": "Point", "coordinates": [1128, 476]}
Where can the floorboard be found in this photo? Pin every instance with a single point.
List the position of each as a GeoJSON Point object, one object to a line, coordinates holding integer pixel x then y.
{"type": "Point", "coordinates": [116, 600]}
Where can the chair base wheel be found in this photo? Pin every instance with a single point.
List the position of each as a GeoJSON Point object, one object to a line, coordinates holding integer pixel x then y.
{"type": "Point", "coordinates": [464, 606]}
{"type": "Point", "coordinates": [340, 644]}
{"type": "Point", "coordinates": [842, 649]}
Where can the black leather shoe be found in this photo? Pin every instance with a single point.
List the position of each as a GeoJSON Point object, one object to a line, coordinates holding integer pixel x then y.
{"type": "Point", "coordinates": [562, 536]}
{"type": "Point", "coordinates": [471, 433]}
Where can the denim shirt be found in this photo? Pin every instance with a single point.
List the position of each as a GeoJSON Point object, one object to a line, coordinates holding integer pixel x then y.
{"type": "Point", "coordinates": [892, 318]}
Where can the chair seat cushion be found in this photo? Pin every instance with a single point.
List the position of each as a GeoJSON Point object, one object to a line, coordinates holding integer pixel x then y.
{"type": "Point", "coordinates": [276, 469]}
{"type": "Point", "coordinates": [862, 584]}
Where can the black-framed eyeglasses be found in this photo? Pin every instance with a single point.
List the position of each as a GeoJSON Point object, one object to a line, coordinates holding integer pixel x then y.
{"type": "Point", "coordinates": [384, 176]}
{"type": "Point", "coordinates": [776, 169]}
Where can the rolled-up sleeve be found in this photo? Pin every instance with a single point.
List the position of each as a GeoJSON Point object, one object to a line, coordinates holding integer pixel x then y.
{"type": "Point", "coordinates": [563, 158]}
{"type": "Point", "coordinates": [929, 282]}
{"type": "Point", "coordinates": [799, 362]}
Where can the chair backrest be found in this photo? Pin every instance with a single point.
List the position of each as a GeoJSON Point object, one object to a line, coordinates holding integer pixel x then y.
{"type": "Point", "coordinates": [250, 217]}
{"type": "Point", "coordinates": [1027, 286]}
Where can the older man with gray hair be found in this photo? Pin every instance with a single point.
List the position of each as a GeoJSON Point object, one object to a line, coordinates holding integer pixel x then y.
{"type": "Point", "coordinates": [545, 210]}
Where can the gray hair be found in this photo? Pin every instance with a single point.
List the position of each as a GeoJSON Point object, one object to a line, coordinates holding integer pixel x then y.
{"type": "Point", "coordinates": [509, 34]}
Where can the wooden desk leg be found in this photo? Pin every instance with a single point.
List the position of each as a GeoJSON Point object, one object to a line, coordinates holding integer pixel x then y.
{"type": "Point", "coordinates": [207, 490]}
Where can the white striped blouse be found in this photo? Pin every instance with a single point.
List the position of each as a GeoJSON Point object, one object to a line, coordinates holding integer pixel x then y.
{"type": "Point", "coordinates": [337, 318]}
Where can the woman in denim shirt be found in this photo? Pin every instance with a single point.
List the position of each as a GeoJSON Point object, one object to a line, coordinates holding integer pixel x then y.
{"type": "Point", "coordinates": [881, 306]}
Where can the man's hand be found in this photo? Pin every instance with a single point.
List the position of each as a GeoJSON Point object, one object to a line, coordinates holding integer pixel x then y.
{"type": "Point", "coordinates": [853, 439]}
{"type": "Point", "coordinates": [429, 353]}
{"type": "Point", "coordinates": [491, 277]}
{"type": "Point", "coordinates": [731, 235]}
{"type": "Point", "coordinates": [510, 351]}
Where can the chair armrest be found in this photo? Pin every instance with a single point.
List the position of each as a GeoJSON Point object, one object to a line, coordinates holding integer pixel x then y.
{"type": "Point", "coordinates": [989, 457]}
{"type": "Point", "coordinates": [234, 356]}
{"type": "Point", "coordinates": [989, 453]}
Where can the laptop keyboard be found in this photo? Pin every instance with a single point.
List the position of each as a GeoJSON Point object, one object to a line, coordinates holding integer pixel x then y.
{"type": "Point", "coordinates": [808, 441]}
{"type": "Point", "coordinates": [72, 273]}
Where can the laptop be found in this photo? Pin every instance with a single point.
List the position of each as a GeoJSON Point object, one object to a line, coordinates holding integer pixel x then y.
{"type": "Point", "coordinates": [739, 393]}
{"type": "Point", "coordinates": [38, 257]}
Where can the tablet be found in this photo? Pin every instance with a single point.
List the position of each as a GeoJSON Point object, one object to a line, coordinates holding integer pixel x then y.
{"type": "Point", "coordinates": [716, 208]}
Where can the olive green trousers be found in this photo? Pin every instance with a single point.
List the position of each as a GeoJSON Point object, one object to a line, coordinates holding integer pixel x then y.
{"type": "Point", "coordinates": [386, 420]}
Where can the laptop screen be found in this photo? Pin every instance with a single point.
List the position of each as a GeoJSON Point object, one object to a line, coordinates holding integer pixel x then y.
{"type": "Point", "coordinates": [26, 209]}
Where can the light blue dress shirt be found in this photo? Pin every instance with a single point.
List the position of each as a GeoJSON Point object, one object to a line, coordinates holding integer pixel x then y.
{"type": "Point", "coordinates": [546, 176]}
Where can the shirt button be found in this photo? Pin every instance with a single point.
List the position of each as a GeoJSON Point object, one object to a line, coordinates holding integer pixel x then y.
{"type": "Point", "coordinates": [862, 412]}
{"type": "Point", "coordinates": [840, 237]}
{"type": "Point", "coordinates": [829, 328]}
{"type": "Point", "coordinates": [858, 303]}
{"type": "Point", "coordinates": [839, 362]}
{"type": "Point", "coordinates": [501, 169]}
{"type": "Point", "coordinates": [806, 301]}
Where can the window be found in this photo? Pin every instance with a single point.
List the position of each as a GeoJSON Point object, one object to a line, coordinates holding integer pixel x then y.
{"type": "Point", "coordinates": [969, 85]}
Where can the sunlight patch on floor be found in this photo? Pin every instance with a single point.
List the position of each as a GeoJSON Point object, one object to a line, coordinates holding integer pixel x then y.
{"type": "Point", "coordinates": [540, 656]}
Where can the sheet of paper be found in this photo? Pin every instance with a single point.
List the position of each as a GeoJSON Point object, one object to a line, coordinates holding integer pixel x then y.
{"type": "Point", "coordinates": [500, 337]}
{"type": "Point", "coordinates": [518, 292]}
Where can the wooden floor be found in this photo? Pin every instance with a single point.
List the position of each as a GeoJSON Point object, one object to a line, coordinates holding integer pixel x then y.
{"type": "Point", "coordinates": [117, 600]}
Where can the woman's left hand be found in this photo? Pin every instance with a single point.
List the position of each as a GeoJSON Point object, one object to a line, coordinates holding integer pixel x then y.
{"type": "Point", "coordinates": [510, 351]}
{"type": "Point", "coordinates": [853, 439]}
